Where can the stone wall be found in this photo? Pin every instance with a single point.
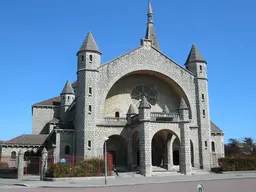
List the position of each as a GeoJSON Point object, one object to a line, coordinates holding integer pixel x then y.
{"type": "Point", "coordinates": [41, 115]}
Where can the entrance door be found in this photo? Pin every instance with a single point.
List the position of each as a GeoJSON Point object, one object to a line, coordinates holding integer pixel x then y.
{"type": "Point", "coordinates": [176, 158]}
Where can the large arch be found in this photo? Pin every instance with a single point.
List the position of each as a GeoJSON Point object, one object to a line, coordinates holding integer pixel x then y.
{"type": "Point", "coordinates": [117, 146]}
{"type": "Point", "coordinates": [162, 145]}
{"type": "Point", "coordinates": [175, 84]}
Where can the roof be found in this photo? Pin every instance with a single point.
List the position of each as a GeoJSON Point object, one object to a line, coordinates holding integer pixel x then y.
{"type": "Point", "coordinates": [183, 104]}
{"type": "Point", "coordinates": [54, 100]}
{"type": "Point", "coordinates": [194, 55]}
{"type": "Point", "coordinates": [166, 110]}
{"type": "Point", "coordinates": [144, 103]}
{"type": "Point", "coordinates": [131, 110]}
{"type": "Point", "coordinates": [68, 89]}
{"type": "Point", "coordinates": [27, 139]}
{"type": "Point", "coordinates": [150, 33]}
{"type": "Point", "coordinates": [54, 121]}
{"type": "Point", "coordinates": [89, 44]}
{"type": "Point", "coordinates": [215, 128]}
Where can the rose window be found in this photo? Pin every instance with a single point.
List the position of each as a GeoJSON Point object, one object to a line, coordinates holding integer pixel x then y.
{"type": "Point", "coordinates": [140, 90]}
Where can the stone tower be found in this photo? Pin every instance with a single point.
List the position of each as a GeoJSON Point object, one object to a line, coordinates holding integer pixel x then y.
{"type": "Point", "coordinates": [88, 61]}
{"type": "Point", "coordinates": [67, 97]}
{"type": "Point", "coordinates": [197, 65]}
{"type": "Point", "coordinates": [145, 137]}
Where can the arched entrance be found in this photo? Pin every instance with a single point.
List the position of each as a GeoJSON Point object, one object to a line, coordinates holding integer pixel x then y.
{"type": "Point", "coordinates": [117, 146]}
{"type": "Point", "coordinates": [32, 162]}
{"type": "Point", "coordinates": [162, 149]}
{"type": "Point", "coordinates": [135, 149]}
{"type": "Point", "coordinates": [176, 151]}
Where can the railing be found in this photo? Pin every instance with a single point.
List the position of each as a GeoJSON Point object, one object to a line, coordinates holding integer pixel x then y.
{"type": "Point", "coordinates": [172, 116]}
{"type": "Point", "coordinates": [114, 118]}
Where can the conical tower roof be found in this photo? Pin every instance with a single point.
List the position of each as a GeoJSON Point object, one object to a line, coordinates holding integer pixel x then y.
{"type": "Point", "coordinates": [144, 103]}
{"type": "Point", "coordinates": [89, 44]}
{"type": "Point", "coordinates": [150, 33]}
{"type": "Point", "coordinates": [166, 110]}
{"type": "Point", "coordinates": [194, 55]}
{"type": "Point", "coordinates": [68, 89]}
{"type": "Point", "coordinates": [131, 110]}
{"type": "Point", "coordinates": [183, 104]}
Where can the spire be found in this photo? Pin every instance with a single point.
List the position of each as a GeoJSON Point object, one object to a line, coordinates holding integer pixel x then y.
{"type": "Point", "coordinates": [144, 103]}
{"type": "Point", "coordinates": [67, 89]}
{"type": "Point", "coordinates": [194, 55]}
{"type": "Point", "coordinates": [89, 44]}
{"type": "Point", "coordinates": [166, 110]}
{"type": "Point", "coordinates": [183, 104]}
{"type": "Point", "coordinates": [151, 34]}
{"type": "Point", "coordinates": [131, 110]}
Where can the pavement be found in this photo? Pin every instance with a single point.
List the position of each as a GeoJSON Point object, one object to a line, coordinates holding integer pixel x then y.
{"type": "Point", "coordinates": [34, 181]}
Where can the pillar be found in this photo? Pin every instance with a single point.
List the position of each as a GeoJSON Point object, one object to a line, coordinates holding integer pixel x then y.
{"type": "Point", "coordinates": [44, 162]}
{"type": "Point", "coordinates": [185, 152]}
{"type": "Point", "coordinates": [170, 152]}
{"type": "Point", "coordinates": [20, 164]}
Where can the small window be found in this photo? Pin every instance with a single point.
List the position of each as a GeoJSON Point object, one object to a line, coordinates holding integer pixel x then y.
{"type": "Point", "coordinates": [67, 150]}
{"type": "Point", "coordinates": [202, 97]}
{"type": "Point", "coordinates": [90, 57]}
{"type": "Point", "coordinates": [201, 69]}
{"type": "Point", "coordinates": [13, 155]}
{"type": "Point", "coordinates": [68, 98]}
{"type": "Point", "coordinates": [89, 143]}
{"type": "Point", "coordinates": [82, 58]}
{"type": "Point", "coordinates": [90, 90]}
{"type": "Point", "coordinates": [205, 143]}
{"type": "Point", "coordinates": [213, 146]}
{"type": "Point", "coordinates": [63, 97]}
{"type": "Point", "coordinates": [90, 108]}
{"type": "Point", "coordinates": [203, 113]}
{"type": "Point", "coordinates": [117, 114]}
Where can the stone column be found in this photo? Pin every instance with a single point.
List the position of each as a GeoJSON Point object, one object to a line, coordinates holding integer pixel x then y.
{"type": "Point", "coordinates": [20, 164]}
{"type": "Point", "coordinates": [129, 153]}
{"type": "Point", "coordinates": [57, 148]}
{"type": "Point", "coordinates": [185, 152]}
{"type": "Point", "coordinates": [55, 158]}
{"type": "Point", "coordinates": [145, 137]}
{"type": "Point", "coordinates": [44, 159]}
{"type": "Point", "coordinates": [170, 152]}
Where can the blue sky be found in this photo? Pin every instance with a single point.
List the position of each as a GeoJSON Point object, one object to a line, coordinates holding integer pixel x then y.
{"type": "Point", "coordinates": [39, 41]}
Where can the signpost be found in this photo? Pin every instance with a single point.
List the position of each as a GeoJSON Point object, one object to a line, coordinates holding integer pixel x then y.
{"type": "Point", "coordinates": [200, 188]}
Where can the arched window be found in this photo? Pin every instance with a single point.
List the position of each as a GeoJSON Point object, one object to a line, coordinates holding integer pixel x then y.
{"type": "Point", "coordinates": [117, 114]}
{"type": "Point", "coordinates": [213, 146]}
{"type": "Point", "coordinates": [67, 150]}
{"type": "Point", "coordinates": [13, 155]}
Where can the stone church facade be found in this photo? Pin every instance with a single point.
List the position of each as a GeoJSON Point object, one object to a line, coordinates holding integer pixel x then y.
{"type": "Point", "coordinates": [153, 111]}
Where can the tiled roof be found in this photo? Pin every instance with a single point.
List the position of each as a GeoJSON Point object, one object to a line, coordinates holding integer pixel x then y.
{"type": "Point", "coordinates": [54, 100]}
{"type": "Point", "coordinates": [68, 89]}
{"type": "Point", "coordinates": [27, 139]}
{"type": "Point", "coordinates": [215, 128]}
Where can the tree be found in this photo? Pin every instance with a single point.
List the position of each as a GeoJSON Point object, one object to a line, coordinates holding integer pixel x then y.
{"type": "Point", "coordinates": [248, 145]}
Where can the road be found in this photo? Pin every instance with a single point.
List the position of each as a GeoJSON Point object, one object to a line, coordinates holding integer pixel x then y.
{"type": "Point", "coordinates": [233, 185]}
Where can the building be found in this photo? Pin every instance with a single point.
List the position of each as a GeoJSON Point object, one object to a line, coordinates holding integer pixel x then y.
{"type": "Point", "coordinates": [153, 111]}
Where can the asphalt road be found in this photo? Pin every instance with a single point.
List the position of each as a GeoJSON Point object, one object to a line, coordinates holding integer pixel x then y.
{"type": "Point", "coordinates": [234, 185]}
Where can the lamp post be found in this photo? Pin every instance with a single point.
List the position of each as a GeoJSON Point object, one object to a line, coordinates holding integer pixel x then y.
{"type": "Point", "coordinates": [105, 159]}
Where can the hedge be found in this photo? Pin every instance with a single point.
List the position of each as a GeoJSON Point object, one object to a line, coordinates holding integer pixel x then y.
{"type": "Point", "coordinates": [86, 168]}
{"type": "Point", "coordinates": [4, 165]}
{"type": "Point", "coordinates": [238, 163]}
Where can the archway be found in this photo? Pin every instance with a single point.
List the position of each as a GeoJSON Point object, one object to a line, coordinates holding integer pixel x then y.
{"type": "Point", "coordinates": [135, 149]}
{"type": "Point", "coordinates": [32, 162]}
{"type": "Point", "coordinates": [176, 151]}
{"type": "Point", "coordinates": [117, 146]}
{"type": "Point", "coordinates": [162, 147]}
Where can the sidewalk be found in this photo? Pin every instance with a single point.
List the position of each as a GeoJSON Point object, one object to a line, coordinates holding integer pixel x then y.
{"type": "Point", "coordinates": [34, 182]}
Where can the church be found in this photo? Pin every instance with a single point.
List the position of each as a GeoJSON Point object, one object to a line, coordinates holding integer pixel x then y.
{"type": "Point", "coordinates": [148, 110]}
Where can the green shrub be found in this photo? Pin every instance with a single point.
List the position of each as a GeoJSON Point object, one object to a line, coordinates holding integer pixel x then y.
{"type": "Point", "coordinates": [238, 163]}
{"type": "Point", "coordinates": [90, 167]}
{"type": "Point", "coordinates": [4, 165]}
{"type": "Point", "coordinates": [59, 170]}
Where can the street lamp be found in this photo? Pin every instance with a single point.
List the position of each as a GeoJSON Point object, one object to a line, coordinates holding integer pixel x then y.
{"type": "Point", "coordinates": [105, 159]}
